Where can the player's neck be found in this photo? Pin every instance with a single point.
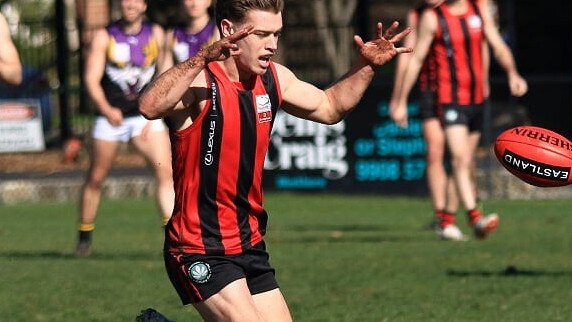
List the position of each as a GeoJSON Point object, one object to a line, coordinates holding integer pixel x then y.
{"type": "Point", "coordinates": [234, 73]}
{"type": "Point", "coordinates": [132, 27]}
{"type": "Point", "coordinates": [458, 7]}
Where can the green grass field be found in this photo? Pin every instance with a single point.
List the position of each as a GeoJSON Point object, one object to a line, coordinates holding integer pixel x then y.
{"type": "Point", "coordinates": [338, 258]}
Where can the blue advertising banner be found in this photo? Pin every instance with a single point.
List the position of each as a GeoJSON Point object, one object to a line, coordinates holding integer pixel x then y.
{"type": "Point", "coordinates": [366, 152]}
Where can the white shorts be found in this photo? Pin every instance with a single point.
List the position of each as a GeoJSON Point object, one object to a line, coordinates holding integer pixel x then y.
{"type": "Point", "coordinates": [132, 126]}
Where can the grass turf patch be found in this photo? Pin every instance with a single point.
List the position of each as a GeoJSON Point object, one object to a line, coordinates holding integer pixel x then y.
{"type": "Point", "coordinates": [338, 258]}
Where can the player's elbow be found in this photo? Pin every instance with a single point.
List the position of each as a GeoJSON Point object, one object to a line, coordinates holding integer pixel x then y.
{"type": "Point", "coordinates": [334, 118]}
{"type": "Point", "coordinates": [146, 104]}
{"type": "Point", "coordinates": [17, 78]}
{"type": "Point", "coordinates": [14, 77]}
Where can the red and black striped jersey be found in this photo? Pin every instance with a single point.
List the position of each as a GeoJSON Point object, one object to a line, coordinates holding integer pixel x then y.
{"type": "Point", "coordinates": [458, 55]}
{"type": "Point", "coordinates": [217, 167]}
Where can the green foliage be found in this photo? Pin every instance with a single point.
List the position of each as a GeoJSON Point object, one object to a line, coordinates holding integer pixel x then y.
{"type": "Point", "coordinates": [35, 35]}
{"type": "Point", "coordinates": [338, 258]}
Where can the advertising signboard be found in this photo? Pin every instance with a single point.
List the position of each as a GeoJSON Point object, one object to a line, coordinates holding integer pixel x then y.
{"type": "Point", "coordinates": [21, 126]}
{"type": "Point", "coordinates": [366, 152]}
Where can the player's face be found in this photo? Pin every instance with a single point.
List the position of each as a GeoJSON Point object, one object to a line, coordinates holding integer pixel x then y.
{"type": "Point", "coordinates": [133, 10]}
{"type": "Point", "coordinates": [196, 8]}
{"type": "Point", "coordinates": [258, 48]}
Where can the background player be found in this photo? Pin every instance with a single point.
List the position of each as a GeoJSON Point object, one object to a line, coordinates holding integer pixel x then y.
{"type": "Point", "coordinates": [455, 32]}
{"type": "Point", "coordinates": [198, 30]}
{"type": "Point", "coordinates": [121, 61]}
{"type": "Point", "coordinates": [10, 65]}
{"type": "Point", "coordinates": [441, 186]}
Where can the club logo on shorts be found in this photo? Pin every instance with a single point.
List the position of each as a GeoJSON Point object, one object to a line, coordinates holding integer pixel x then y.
{"type": "Point", "coordinates": [451, 115]}
{"type": "Point", "coordinates": [199, 272]}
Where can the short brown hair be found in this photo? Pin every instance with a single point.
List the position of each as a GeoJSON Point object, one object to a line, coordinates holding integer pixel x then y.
{"type": "Point", "coordinates": [235, 10]}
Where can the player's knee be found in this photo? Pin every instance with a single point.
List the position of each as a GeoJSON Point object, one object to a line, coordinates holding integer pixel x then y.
{"type": "Point", "coordinates": [434, 157]}
{"type": "Point", "coordinates": [461, 162]}
{"type": "Point", "coordinates": [94, 183]}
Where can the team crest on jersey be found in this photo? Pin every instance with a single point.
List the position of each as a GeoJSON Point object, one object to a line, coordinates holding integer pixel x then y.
{"type": "Point", "coordinates": [199, 272]}
{"type": "Point", "coordinates": [475, 22]}
{"type": "Point", "coordinates": [263, 108]}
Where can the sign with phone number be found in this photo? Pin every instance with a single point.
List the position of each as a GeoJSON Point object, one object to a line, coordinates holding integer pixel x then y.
{"type": "Point", "coordinates": [366, 152]}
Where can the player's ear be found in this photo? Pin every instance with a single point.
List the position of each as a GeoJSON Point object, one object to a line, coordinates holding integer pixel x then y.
{"type": "Point", "coordinates": [227, 27]}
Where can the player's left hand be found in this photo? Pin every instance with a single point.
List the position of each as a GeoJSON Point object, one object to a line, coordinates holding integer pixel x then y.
{"type": "Point", "coordinates": [381, 49]}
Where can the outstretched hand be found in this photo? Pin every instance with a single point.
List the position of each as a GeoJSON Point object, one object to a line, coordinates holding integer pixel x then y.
{"type": "Point", "coordinates": [226, 47]}
{"type": "Point", "coordinates": [381, 49]}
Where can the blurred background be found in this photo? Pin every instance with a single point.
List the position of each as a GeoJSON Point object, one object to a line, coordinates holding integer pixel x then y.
{"type": "Point", "coordinates": [51, 36]}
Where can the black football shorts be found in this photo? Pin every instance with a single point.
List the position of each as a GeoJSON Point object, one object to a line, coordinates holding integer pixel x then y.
{"type": "Point", "coordinates": [196, 277]}
{"type": "Point", "coordinates": [469, 115]}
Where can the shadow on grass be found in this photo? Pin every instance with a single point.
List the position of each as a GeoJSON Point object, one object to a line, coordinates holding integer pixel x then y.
{"type": "Point", "coordinates": [344, 228]}
{"type": "Point", "coordinates": [509, 271]}
{"type": "Point", "coordinates": [342, 233]}
{"type": "Point", "coordinates": [55, 255]}
{"type": "Point", "coordinates": [347, 239]}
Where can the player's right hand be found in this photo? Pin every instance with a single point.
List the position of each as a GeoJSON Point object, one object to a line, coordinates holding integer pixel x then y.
{"type": "Point", "coordinates": [225, 47]}
{"type": "Point", "coordinates": [114, 116]}
{"type": "Point", "coordinates": [398, 113]}
{"type": "Point", "coordinates": [517, 84]}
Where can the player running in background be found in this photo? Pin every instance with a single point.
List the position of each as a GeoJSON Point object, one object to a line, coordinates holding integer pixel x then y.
{"type": "Point", "coordinates": [220, 105]}
{"type": "Point", "coordinates": [121, 61]}
{"type": "Point", "coordinates": [441, 186]}
{"type": "Point", "coordinates": [455, 32]}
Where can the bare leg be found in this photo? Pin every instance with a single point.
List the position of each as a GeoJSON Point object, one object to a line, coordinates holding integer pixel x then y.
{"type": "Point", "coordinates": [463, 145]}
{"type": "Point", "coordinates": [102, 156]}
{"type": "Point", "coordinates": [235, 303]}
{"type": "Point", "coordinates": [155, 146]}
{"type": "Point", "coordinates": [436, 174]}
{"type": "Point", "coordinates": [452, 199]}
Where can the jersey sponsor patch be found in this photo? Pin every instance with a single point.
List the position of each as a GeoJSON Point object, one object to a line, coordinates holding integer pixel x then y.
{"type": "Point", "coordinates": [263, 108]}
{"type": "Point", "coordinates": [475, 22]}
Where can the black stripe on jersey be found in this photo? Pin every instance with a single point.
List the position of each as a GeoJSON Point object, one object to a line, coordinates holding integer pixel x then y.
{"type": "Point", "coordinates": [420, 8]}
{"type": "Point", "coordinates": [246, 164]}
{"type": "Point", "coordinates": [272, 90]}
{"type": "Point", "coordinates": [467, 39]}
{"type": "Point", "coordinates": [476, 8]}
{"type": "Point", "coordinates": [449, 46]}
{"type": "Point", "coordinates": [211, 137]}
{"type": "Point", "coordinates": [478, 13]}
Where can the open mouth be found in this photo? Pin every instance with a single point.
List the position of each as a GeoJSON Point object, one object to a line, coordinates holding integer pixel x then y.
{"type": "Point", "coordinates": [265, 60]}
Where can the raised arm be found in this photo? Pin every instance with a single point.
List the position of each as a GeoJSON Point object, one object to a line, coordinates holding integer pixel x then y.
{"type": "Point", "coordinates": [330, 106]}
{"type": "Point", "coordinates": [10, 65]}
{"type": "Point", "coordinates": [170, 91]}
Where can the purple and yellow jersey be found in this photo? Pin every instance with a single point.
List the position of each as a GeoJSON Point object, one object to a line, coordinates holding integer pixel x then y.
{"type": "Point", "coordinates": [130, 65]}
{"type": "Point", "coordinates": [186, 45]}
